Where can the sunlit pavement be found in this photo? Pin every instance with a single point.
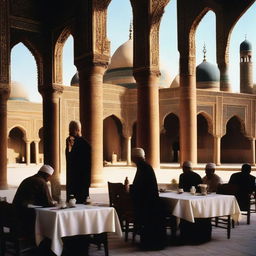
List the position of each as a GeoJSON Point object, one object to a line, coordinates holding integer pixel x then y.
{"type": "Point", "coordinates": [243, 236]}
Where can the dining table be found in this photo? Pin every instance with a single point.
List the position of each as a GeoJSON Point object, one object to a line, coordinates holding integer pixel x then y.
{"type": "Point", "coordinates": [56, 223]}
{"type": "Point", "coordinates": [196, 210]}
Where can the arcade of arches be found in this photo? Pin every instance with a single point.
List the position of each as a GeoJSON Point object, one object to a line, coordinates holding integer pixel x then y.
{"type": "Point", "coordinates": [171, 124]}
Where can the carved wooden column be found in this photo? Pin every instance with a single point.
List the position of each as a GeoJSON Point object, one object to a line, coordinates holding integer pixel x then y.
{"type": "Point", "coordinates": [4, 87]}
{"type": "Point", "coordinates": [51, 129]}
{"type": "Point", "coordinates": [27, 152]}
{"type": "Point", "coordinates": [147, 17]}
{"type": "Point", "coordinates": [91, 59]}
{"type": "Point", "coordinates": [187, 105]}
{"type": "Point", "coordinates": [216, 150]}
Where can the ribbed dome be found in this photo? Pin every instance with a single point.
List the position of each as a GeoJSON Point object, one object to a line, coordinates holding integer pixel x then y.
{"type": "Point", "coordinates": [207, 72]}
{"type": "Point", "coordinates": [75, 80]}
{"type": "Point", "coordinates": [123, 56]}
{"type": "Point", "coordinates": [245, 46]}
{"type": "Point", "coordinates": [18, 92]}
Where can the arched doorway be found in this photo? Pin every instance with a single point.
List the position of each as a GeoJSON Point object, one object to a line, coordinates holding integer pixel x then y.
{"type": "Point", "coordinates": [205, 140]}
{"type": "Point", "coordinates": [169, 139]}
{"type": "Point", "coordinates": [16, 152]}
{"type": "Point", "coordinates": [113, 139]}
{"type": "Point", "coordinates": [235, 147]}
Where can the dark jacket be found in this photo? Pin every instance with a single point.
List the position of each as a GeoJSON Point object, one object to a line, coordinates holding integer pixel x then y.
{"type": "Point", "coordinates": [189, 179]}
{"type": "Point", "coordinates": [78, 175]}
{"type": "Point", "coordinates": [33, 190]}
{"type": "Point", "coordinates": [246, 185]}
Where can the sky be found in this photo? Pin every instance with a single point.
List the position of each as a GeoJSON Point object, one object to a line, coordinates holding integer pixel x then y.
{"type": "Point", "coordinates": [23, 66]}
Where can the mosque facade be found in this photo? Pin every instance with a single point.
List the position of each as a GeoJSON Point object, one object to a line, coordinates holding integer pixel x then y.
{"type": "Point", "coordinates": [121, 104]}
{"type": "Point", "coordinates": [220, 116]}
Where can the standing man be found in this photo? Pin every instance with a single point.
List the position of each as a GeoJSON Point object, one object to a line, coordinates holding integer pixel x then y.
{"type": "Point", "coordinates": [188, 178]}
{"type": "Point", "coordinates": [149, 214]}
{"type": "Point", "coordinates": [78, 158]}
{"type": "Point", "coordinates": [211, 179]}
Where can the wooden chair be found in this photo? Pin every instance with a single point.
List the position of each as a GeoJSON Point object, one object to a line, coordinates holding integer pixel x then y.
{"type": "Point", "coordinates": [11, 233]}
{"type": "Point", "coordinates": [225, 222]}
{"type": "Point", "coordinates": [121, 201]}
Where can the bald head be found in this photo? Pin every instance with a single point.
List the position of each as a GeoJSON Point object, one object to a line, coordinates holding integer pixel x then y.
{"type": "Point", "coordinates": [75, 128]}
{"type": "Point", "coordinates": [187, 166]}
{"type": "Point", "coordinates": [138, 154]}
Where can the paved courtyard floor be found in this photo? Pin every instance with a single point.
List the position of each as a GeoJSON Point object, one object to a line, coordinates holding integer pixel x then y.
{"type": "Point", "coordinates": [243, 236]}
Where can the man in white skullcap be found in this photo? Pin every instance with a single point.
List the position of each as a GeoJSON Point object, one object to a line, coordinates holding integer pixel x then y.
{"type": "Point", "coordinates": [147, 205]}
{"type": "Point", "coordinates": [211, 179]}
{"type": "Point", "coordinates": [32, 191]}
{"type": "Point", "coordinates": [188, 178]}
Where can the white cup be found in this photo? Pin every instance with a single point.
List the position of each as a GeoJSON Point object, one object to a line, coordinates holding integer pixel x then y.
{"type": "Point", "coordinates": [180, 190]}
{"type": "Point", "coordinates": [72, 202]}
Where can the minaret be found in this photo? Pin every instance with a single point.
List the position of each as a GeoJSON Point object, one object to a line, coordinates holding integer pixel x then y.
{"type": "Point", "coordinates": [246, 71]}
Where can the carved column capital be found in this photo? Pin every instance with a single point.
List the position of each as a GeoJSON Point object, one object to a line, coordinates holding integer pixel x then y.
{"type": "Point", "coordinates": [87, 62]}
{"type": "Point", "coordinates": [47, 91]}
{"type": "Point", "coordinates": [5, 90]}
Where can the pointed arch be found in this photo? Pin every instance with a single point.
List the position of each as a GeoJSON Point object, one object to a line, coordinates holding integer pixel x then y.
{"type": "Point", "coordinates": [205, 140]}
{"type": "Point", "coordinates": [235, 150]}
{"type": "Point", "coordinates": [36, 53]}
{"type": "Point", "coordinates": [113, 140]}
{"type": "Point", "coordinates": [16, 151]}
{"type": "Point", "coordinates": [169, 139]}
{"type": "Point", "coordinates": [58, 55]}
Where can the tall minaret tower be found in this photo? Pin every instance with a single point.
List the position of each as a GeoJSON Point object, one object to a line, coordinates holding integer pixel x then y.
{"type": "Point", "coordinates": [246, 72]}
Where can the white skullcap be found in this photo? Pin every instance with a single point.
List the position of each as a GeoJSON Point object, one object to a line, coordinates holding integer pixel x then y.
{"type": "Point", "coordinates": [138, 152]}
{"type": "Point", "coordinates": [187, 164]}
{"type": "Point", "coordinates": [47, 169]}
{"type": "Point", "coordinates": [210, 166]}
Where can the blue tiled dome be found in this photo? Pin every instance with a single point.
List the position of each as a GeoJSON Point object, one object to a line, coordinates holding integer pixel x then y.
{"type": "Point", "coordinates": [75, 80]}
{"type": "Point", "coordinates": [245, 46]}
{"type": "Point", "coordinates": [207, 72]}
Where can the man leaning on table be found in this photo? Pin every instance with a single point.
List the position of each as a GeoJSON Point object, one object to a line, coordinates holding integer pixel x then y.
{"type": "Point", "coordinates": [188, 178]}
{"type": "Point", "coordinates": [32, 191]}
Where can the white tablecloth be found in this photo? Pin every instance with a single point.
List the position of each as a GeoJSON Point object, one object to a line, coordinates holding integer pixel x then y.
{"type": "Point", "coordinates": [82, 220]}
{"type": "Point", "coordinates": [188, 207]}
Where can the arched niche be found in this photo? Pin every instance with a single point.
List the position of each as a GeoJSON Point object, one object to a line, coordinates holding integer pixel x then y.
{"type": "Point", "coordinates": [113, 139]}
{"type": "Point", "coordinates": [16, 151]}
{"type": "Point", "coordinates": [169, 139]}
{"type": "Point", "coordinates": [205, 140]}
{"type": "Point", "coordinates": [26, 68]}
{"type": "Point", "coordinates": [235, 146]}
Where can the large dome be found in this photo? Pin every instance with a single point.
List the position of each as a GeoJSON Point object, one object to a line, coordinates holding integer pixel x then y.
{"type": "Point", "coordinates": [245, 46]}
{"type": "Point", "coordinates": [123, 56]}
{"type": "Point", "coordinates": [207, 76]}
{"type": "Point", "coordinates": [75, 80]}
{"type": "Point", "coordinates": [207, 72]}
{"type": "Point", "coordinates": [18, 92]}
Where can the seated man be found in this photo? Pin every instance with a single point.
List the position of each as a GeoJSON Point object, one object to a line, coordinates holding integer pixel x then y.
{"type": "Point", "coordinates": [32, 190]}
{"type": "Point", "coordinates": [149, 214]}
{"type": "Point", "coordinates": [246, 185]}
{"type": "Point", "coordinates": [211, 179]}
{"type": "Point", "coordinates": [189, 178]}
